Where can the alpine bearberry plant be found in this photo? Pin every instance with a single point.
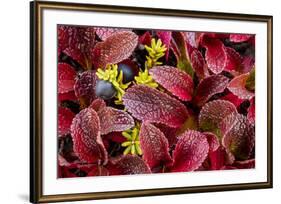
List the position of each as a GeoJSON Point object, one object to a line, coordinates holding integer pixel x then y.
{"type": "Point", "coordinates": [150, 101]}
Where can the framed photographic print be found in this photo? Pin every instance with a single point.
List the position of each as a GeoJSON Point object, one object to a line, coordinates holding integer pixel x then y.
{"type": "Point", "coordinates": [131, 101]}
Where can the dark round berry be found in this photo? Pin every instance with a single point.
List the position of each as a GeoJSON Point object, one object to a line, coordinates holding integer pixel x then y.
{"type": "Point", "coordinates": [105, 90]}
{"type": "Point", "coordinates": [129, 70]}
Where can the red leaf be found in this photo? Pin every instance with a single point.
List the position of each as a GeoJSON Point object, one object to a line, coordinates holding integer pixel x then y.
{"type": "Point", "coordinates": [215, 55]}
{"type": "Point", "coordinates": [238, 136]}
{"type": "Point", "coordinates": [63, 162]}
{"type": "Point", "coordinates": [209, 87]}
{"type": "Point", "coordinates": [114, 49]}
{"type": "Point", "coordinates": [83, 59]}
{"type": "Point", "coordinates": [239, 37]}
{"type": "Point", "coordinates": [165, 37]}
{"type": "Point", "coordinates": [129, 164]}
{"type": "Point", "coordinates": [77, 43]}
{"type": "Point", "coordinates": [169, 132]}
{"type": "Point", "coordinates": [87, 142]}
{"type": "Point", "coordinates": [233, 99]}
{"type": "Point", "coordinates": [104, 33]}
{"type": "Point", "coordinates": [85, 87]}
{"type": "Point", "coordinates": [213, 113]}
{"type": "Point", "coordinates": [237, 87]}
{"type": "Point", "coordinates": [115, 137]}
{"type": "Point", "coordinates": [217, 159]}
{"type": "Point", "coordinates": [69, 96]}
{"type": "Point", "coordinates": [198, 64]}
{"type": "Point", "coordinates": [191, 38]}
{"type": "Point", "coordinates": [145, 39]}
{"type": "Point", "coordinates": [247, 164]}
{"type": "Point", "coordinates": [97, 104]}
{"type": "Point", "coordinates": [65, 117]}
{"type": "Point", "coordinates": [148, 104]}
{"type": "Point", "coordinates": [213, 141]}
{"type": "Point", "coordinates": [234, 61]}
{"type": "Point", "coordinates": [75, 37]}
{"type": "Point", "coordinates": [66, 76]}
{"type": "Point", "coordinates": [114, 120]}
{"type": "Point", "coordinates": [251, 111]}
{"type": "Point", "coordinates": [248, 64]}
{"type": "Point", "coordinates": [178, 82]}
{"type": "Point", "coordinates": [155, 146]}
{"type": "Point", "coordinates": [63, 172]}
{"type": "Point", "coordinates": [190, 152]}
{"type": "Point", "coordinates": [98, 171]}
{"type": "Point", "coordinates": [180, 48]}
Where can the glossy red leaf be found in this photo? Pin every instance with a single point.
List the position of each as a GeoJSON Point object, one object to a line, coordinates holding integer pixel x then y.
{"type": "Point", "coordinates": [97, 104]}
{"type": "Point", "coordinates": [213, 112]}
{"type": "Point", "coordinates": [213, 141]}
{"type": "Point", "coordinates": [248, 63]}
{"type": "Point", "coordinates": [234, 61]}
{"type": "Point", "coordinates": [217, 159]}
{"type": "Point", "coordinates": [104, 33]}
{"type": "Point", "coordinates": [238, 135]}
{"type": "Point", "coordinates": [198, 64]}
{"type": "Point", "coordinates": [97, 171]}
{"type": "Point", "coordinates": [155, 146]}
{"type": "Point", "coordinates": [233, 99]}
{"type": "Point", "coordinates": [176, 81]}
{"type": "Point", "coordinates": [127, 165]}
{"type": "Point", "coordinates": [114, 49]}
{"type": "Point", "coordinates": [169, 132]}
{"type": "Point", "coordinates": [69, 96]}
{"type": "Point", "coordinates": [239, 37]}
{"type": "Point", "coordinates": [87, 142]}
{"type": "Point", "coordinates": [75, 37]}
{"type": "Point", "coordinates": [251, 111]}
{"type": "Point", "coordinates": [115, 137]}
{"type": "Point", "coordinates": [66, 78]}
{"type": "Point", "coordinates": [191, 38]}
{"type": "Point", "coordinates": [77, 43]}
{"type": "Point", "coordinates": [145, 39]}
{"type": "Point", "coordinates": [215, 55]}
{"type": "Point", "coordinates": [181, 52]}
{"type": "Point", "coordinates": [85, 87]}
{"type": "Point", "coordinates": [83, 59]}
{"type": "Point", "coordinates": [165, 37]}
{"type": "Point", "coordinates": [148, 104]}
{"type": "Point", "coordinates": [209, 87]}
{"type": "Point", "coordinates": [114, 120]}
{"type": "Point", "coordinates": [191, 150]}
{"type": "Point", "coordinates": [237, 87]}
{"type": "Point", "coordinates": [65, 117]}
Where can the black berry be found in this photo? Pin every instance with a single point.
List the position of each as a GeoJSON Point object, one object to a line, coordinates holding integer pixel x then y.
{"type": "Point", "coordinates": [129, 70]}
{"type": "Point", "coordinates": [105, 90]}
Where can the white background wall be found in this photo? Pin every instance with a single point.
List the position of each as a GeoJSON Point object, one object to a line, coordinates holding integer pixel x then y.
{"type": "Point", "coordinates": [14, 102]}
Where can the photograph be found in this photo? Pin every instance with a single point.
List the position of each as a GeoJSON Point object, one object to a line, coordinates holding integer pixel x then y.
{"type": "Point", "coordinates": [149, 101]}
{"type": "Point", "coordinates": [142, 101]}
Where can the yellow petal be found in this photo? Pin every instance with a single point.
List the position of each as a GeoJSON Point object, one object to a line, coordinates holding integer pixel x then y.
{"type": "Point", "coordinates": [133, 149]}
{"type": "Point", "coordinates": [127, 150]}
{"type": "Point", "coordinates": [125, 144]}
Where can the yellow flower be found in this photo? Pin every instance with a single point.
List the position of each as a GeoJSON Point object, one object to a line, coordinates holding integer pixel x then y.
{"type": "Point", "coordinates": [111, 74]}
{"type": "Point", "coordinates": [155, 52]}
{"type": "Point", "coordinates": [133, 141]}
{"type": "Point", "coordinates": [146, 79]}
